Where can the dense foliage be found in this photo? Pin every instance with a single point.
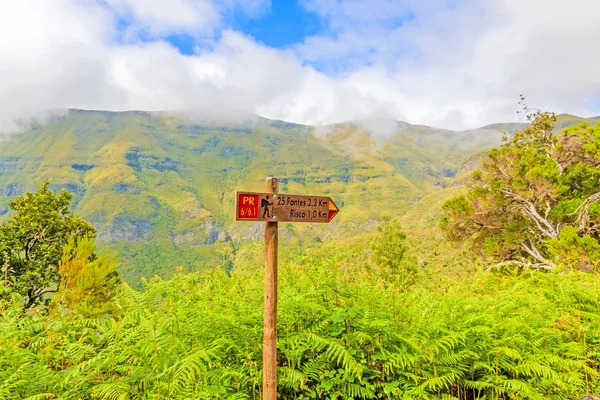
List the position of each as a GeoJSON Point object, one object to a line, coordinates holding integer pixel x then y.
{"type": "Point", "coordinates": [355, 321]}
{"type": "Point", "coordinates": [391, 254]}
{"type": "Point", "coordinates": [342, 334]}
{"type": "Point", "coordinates": [87, 281]}
{"type": "Point", "coordinates": [534, 202]}
{"type": "Point", "coordinates": [32, 241]}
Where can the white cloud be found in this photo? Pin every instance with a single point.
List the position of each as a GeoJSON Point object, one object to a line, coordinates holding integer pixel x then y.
{"type": "Point", "coordinates": [233, 79]}
{"type": "Point", "coordinates": [449, 64]}
{"type": "Point", "coordinates": [51, 56]}
{"type": "Point", "coordinates": [464, 64]}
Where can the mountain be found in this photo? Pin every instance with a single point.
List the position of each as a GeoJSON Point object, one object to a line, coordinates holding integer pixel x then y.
{"type": "Point", "coordinates": [160, 189]}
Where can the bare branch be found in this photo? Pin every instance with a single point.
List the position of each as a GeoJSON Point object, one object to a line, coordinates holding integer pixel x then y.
{"type": "Point", "coordinates": [583, 218]}
{"type": "Point", "coordinates": [32, 296]}
{"type": "Point", "coordinates": [548, 209]}
{"type": "Point", "coordinates": [29, 246]}
{"type": "Point", "coordinates": [529, 208]}
{"type": "Point", "coordinates": [534, 252]}
{"type": "Point", "coordinates": [524, 264]}
{"type": "Point", "coordinates": [560, 167]}
{"type": "Point", "coordinates": [43, 292]}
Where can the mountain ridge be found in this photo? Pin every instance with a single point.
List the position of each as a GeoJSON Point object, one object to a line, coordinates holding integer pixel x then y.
{"type": "Point", "coordinates": [160, 189]}
{"type": "Point", "coordinates": [254, 117]}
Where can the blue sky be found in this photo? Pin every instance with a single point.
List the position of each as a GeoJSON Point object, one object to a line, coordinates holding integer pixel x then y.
{"type": "Point", "coordinates": [283, 24]}
{"type": "Point", "coordinates": [287, 24]}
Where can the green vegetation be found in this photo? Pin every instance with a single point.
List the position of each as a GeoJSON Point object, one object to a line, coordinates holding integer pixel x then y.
{"type": "Point", "coordinates": [87, 282]}
{"type": "Point", "coordinates": [534, 202]}
{"type": "Point", "coordinates": [370, 307]}
{"type": "Point", "coordinates": [390, 252]}
{"type": "Point", "coordinates": [32, 241]}
{"type": "Point", "coordinates": [343, 333]}
{"type": "Point", "coordinates": [160, 190]}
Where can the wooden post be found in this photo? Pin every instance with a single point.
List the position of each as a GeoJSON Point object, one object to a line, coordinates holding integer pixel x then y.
{"type": "Point", "coordinates": [270, 317]}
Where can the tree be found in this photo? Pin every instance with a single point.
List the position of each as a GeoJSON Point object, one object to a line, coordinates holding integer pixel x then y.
{"type": "Point", "coordinates": [87, 281]}
{"type": "Point", "coordinates": [33, 240]}
{"type": "Point", "coordinates": [390, 251]}
{"type": "Point", "coordinates": [534, 201]}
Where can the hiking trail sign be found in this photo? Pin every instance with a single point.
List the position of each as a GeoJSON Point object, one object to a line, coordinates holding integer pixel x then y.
{"type": "Point", "coordinates": [272, 208]}
{"type": "Point", "coordinates": [284, 207]}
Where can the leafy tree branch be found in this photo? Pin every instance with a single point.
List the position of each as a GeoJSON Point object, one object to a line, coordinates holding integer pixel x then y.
{"type": "Point", "coordinates": [527, 191]}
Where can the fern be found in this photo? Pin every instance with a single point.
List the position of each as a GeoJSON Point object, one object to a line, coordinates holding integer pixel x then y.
{"type": "Point", "coordinates": [342, 334]}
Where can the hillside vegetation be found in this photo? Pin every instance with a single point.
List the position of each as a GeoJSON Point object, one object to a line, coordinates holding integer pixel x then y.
{"type": "Point", "coordinates": [160, 189]}
{"type": "Point", "coordinates": [458, 293]}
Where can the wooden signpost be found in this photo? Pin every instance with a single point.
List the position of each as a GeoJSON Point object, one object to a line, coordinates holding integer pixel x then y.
{"type": "Point", "coordinates": [273, 208]}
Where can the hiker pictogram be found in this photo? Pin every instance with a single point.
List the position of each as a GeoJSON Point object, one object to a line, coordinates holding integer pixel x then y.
{"type": "Point", "coordinates": [264, 203]}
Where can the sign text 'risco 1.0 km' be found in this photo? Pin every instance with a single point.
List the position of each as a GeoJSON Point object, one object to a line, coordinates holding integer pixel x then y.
{"type": "Point", "coordinates": [284, 207]}
{"type": "Point", "coordinates": [274, 207]}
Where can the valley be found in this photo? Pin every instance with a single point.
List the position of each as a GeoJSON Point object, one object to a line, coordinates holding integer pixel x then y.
{"type": "Point", "coordinates": [160, 190]}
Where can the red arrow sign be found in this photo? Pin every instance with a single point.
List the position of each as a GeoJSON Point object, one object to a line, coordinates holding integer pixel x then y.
{"type": "Point", "coordinates": [333, 210]}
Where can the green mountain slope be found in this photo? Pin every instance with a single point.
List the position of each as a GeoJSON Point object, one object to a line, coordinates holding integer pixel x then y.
{"type": "Point", "coordinates": [161, 191]}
